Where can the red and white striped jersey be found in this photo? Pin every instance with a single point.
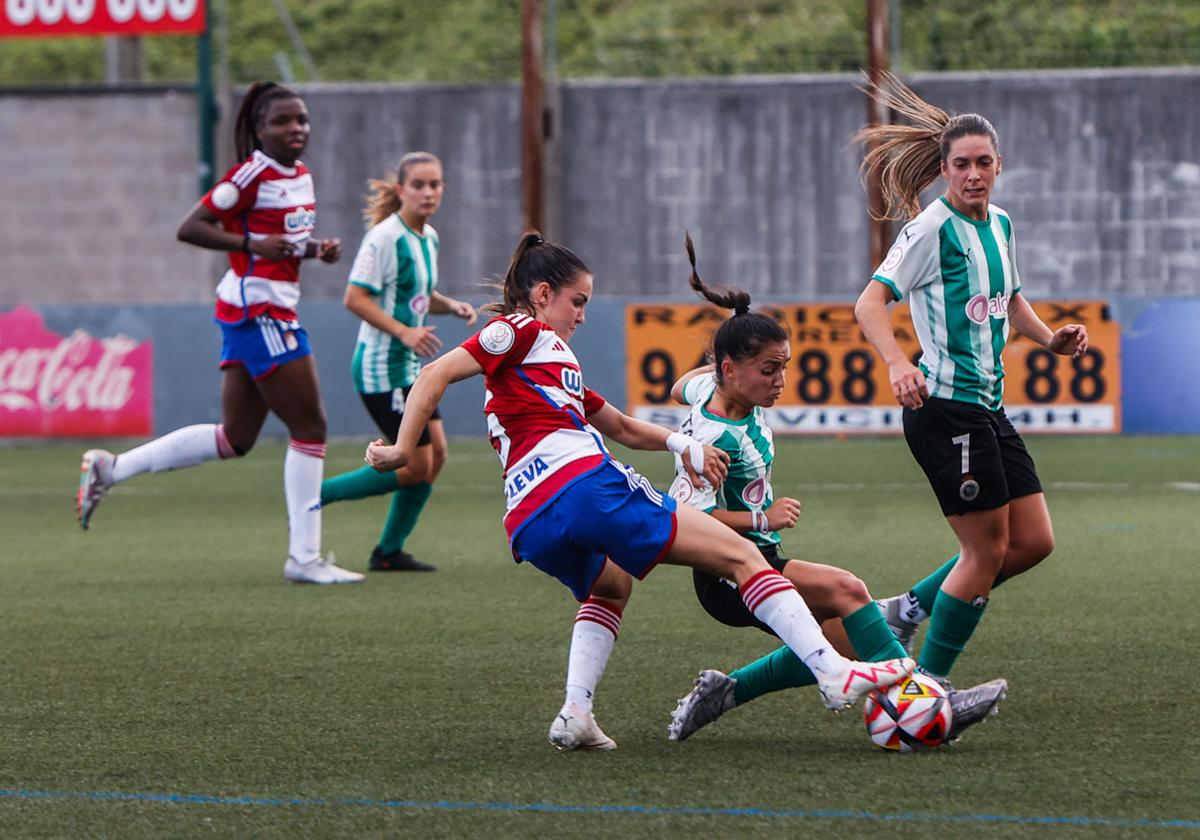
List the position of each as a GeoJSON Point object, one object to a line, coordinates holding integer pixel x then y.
{"type": "Point", "coordinates": [537, 408]}
{"type": "Point", "coordinates": [261, 196]}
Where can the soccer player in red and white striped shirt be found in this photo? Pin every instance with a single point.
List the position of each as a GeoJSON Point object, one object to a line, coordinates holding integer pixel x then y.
{"type": "Point", "coordinates": [263, 213]}
{"type": "Point", "coordinates": [580, 516]}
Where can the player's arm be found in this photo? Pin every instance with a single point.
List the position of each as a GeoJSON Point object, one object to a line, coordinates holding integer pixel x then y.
{"type": "Point", "coordinates": [202, 228]}
{"type": "Point", "coordinates": [908, 383]}
{"type": "Point", "coordinates": [698, 459]}
{"type": "Point", "coordinates": [439, 304]}
{"type": "Point", "coordinates": [1070, 340]}
{"type": "Point", "coordinates": [424, 397]}
{"type": "Point", "coordinates": [364, 303]}
{"type": "Point", "coordinates": [677, 388]}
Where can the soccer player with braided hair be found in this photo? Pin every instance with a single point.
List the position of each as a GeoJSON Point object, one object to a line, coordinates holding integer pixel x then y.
{"type": "Point", "coordinates": [955, 262]}
{"type": "Point", "coordinates": [262, 212]}
{"type": "Point", "coordinates": [577, 514]}
{"type": "Point", "coordinates": [750, 354]}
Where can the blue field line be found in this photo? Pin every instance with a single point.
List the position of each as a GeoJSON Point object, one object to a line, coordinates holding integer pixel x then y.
{"type": "Point", "coordinates": [545, 808]}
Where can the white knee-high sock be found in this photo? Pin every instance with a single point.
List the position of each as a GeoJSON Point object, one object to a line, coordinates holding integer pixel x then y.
{"type": "Point", "coordinates": [775, 602]}
{"type": "Point", "coordinates": [184, 447]}
{"type": "Point", "coordinates": [303, 468]}
{"type": "Point", "coordinates": [596, 626]}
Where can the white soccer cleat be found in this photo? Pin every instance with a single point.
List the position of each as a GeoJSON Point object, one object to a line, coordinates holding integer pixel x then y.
{"type": "Point", "coordinates": [319, 570]}
{"type": "Point", "coordinates": [842, 690]}
{"type": "Point", "coordinates": [711, 698]}
{"type": "Point", "coordinates": [95, 477]}
{"type": "Point", "coordinates": [575, 729]}
{"type": "Point", "coordinates": [903, 629]}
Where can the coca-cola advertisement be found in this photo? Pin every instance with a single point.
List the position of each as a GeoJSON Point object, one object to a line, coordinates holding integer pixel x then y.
{"type": "Point", "coordinates": [77, 385]}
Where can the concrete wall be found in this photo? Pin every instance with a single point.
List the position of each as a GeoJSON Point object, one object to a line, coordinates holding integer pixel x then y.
{"type": "Point", "coordinates": [1102, 175]}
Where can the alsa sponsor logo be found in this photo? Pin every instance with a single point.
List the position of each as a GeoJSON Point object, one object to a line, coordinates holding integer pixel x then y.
{"type": "Point", "coordinates": [572, 381]}
{"type": "Point", "coordinates": [981, 307]}
{"type": "Point", "coordinates": [300, 219]}
{"type": "Point", "coordinates": [73, 385]}
{"type": "Point", "coordinates": [525, 478]}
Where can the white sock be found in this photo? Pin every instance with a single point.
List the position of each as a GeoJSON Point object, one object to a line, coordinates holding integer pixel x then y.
{"type": "Point", "coordinates": [184, 447]}
{"type": "Point", "coordinates": [303, 468]}
{"type": "Point", "coordinates": [910, 608]}
{"type": "Point", "coordinates": [596, 626]}
{"type": "Point", "coordinates": [775, 602]}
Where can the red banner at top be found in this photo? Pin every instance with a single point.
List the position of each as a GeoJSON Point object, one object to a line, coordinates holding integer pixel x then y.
{"type": "Point", "coordinates": [58, 18]}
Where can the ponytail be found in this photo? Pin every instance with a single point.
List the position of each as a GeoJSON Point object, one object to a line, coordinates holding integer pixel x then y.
{"type": "Point", "coordinates": [250, 115]}
{"type": "Point", "coordinates": [908, 158]}
{"type": "Point", "coordinates": [742, 336]}
{"type": "Point", "coordinates": [535, 260]}
{"type": "Point", "coordinates": [382, 200]}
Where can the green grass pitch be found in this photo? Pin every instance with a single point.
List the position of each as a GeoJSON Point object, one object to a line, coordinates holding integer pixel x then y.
{"type": "Point", "coordinates": [161, 654]}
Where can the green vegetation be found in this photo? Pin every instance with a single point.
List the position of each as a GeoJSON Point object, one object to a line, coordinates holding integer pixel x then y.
{"type": "Point", "coordinates": [162, 653]}
{"type": "Point", "coordinates": [478, 40]}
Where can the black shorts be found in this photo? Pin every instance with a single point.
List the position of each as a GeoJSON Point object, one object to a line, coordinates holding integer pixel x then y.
{"type": "Point", "coordinates": [973, 457]}
{"type": "Point", "coordinates": [387, 410]}
{"type": "Point", "coordinates": [723, 601]}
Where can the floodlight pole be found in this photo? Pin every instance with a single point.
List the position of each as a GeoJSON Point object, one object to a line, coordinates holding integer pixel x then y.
{"type": "Point", "coordinates": [533, 149]}
{"type": "Point", "coordinates": [878, 60]}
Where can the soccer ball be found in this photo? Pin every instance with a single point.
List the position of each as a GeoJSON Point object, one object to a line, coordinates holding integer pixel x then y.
{"type": "Point", "coordinates": [911, 716]}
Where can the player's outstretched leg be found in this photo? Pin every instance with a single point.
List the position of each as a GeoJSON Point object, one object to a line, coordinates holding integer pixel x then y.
{"type": "Point", "coordinates": [95, 477]}
{"type": "Point", "coordinates": [592, 638]}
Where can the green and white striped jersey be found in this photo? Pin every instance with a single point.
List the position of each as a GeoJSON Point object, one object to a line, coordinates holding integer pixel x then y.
{"type": "Point", "coordinates": [751, 449]}
{"type": "Point", "coordinates": [399, 267]}
{"type": "Point", "coordinates": [960, 274]}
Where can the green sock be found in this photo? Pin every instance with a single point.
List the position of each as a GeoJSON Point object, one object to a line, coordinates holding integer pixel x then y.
{"type": "Point", "coordinates": [868, 631]}
{"type": "Point", "coordinates": [402, 517]}
{"type": "Point", "coordinates": [926, 591]}
{"type": "Point", "coordinates": [776, 671]}
{"type": "Point", "coordinates": [950, 627]}
{"type": "Point", "coordinates": [358, 484]}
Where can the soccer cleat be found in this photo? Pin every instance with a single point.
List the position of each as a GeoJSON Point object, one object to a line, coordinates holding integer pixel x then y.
{"type": "Point", "coordinates": [842, 690]}
{"type": "Point", "coordinates": [903, 629]}
{"type": "Point", "coordinates": [970, 706]}
{"type": "Point", "coordinates": [711, 698]}
{"type": "Point", "coordinates": [575, 729]}
{"type": "Point", "coordinates": [397, 561]}
{"type": "Point", "coordinates": [95, 477]}
{"type": "Point", "coordinates": [320, 570]}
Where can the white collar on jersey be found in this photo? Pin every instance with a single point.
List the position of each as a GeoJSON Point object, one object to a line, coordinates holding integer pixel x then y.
{"type": "Point", "coordinates": [279, 167]}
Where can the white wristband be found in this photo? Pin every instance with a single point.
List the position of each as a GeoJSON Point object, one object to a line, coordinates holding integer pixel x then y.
{"type": "Point", "coordinates": [680, 443]}
{"type": "Point", "coordinates": [758, 522]}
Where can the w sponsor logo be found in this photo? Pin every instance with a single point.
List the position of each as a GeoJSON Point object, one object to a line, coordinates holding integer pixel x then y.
{"type": "Point", "coordinates": [572, 381]}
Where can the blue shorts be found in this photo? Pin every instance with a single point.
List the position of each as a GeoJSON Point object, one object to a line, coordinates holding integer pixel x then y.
{"type": "Point", "coordinates": [610, 512]}
{"type": "Point", "coordinates": [263, 344]}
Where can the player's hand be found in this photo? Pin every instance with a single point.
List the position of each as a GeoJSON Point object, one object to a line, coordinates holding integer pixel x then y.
{"type": "Point", "coordinates": [329, 250]}
{"type": "Point", "coordinates": [1071, 340]}
{"type": "Point", "coordinates": [275, 247]}
{"type": "Point", "coordinates": [384, 457]}
{"type": "Point", "coordinates": [783, 513]}
{"type": "Point", "coordinates": [716, 466]}
{"type": "Point", "coordinates": [908, 384]}
{"type": "Point", "coordinates": [463, 310]}
{"type": "Point", "coordinates": [421, 340]}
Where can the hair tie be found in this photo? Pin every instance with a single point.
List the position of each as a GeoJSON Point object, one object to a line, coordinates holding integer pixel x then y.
{"type": "Point", "coordinates": [743, 309]}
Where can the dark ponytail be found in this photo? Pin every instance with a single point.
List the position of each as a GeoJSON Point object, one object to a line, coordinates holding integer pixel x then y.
{"type": "Point", "coordinates": [251, 113]}
{"type": "Point", "coordinates": [745, 334]}
{"type": "Point", "coordinates": [535, 260]}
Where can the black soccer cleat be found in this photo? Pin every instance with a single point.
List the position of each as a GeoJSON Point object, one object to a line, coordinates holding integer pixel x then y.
{"type": "Point", "coordinates": [397, 561]}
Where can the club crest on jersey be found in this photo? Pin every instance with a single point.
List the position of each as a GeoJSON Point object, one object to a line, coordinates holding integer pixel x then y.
{"type": "Point", "coordinates": [225, 195]}
{"type": "Point", "coordinates": [572, 381]}
{"type": "Point", "coordinates": [497, 337]}
{"type": "Point", "coordinates": [525, 478]}
{"type": "Point", "coordinates": [419, 304]}
{"type": "Point", "coordinates": [981, 307]}
{"type": "Point", "coordinates": [755, 492]}
{"type": "Point", "coordinates": [300, 219]}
